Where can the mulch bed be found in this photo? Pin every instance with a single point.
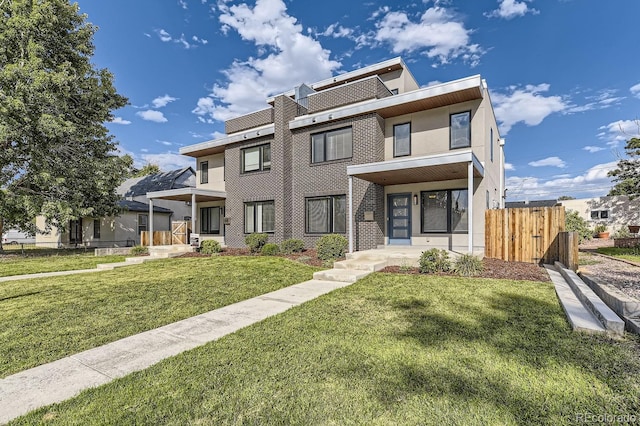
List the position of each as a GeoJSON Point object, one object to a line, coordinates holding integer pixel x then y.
{"type": "Point", "coordinates": [493, 268]}
{"type": "Point", "coordinates": [308, 257]}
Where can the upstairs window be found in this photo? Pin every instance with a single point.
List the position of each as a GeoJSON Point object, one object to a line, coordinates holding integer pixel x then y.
{"type": "Point", "coordinates": [460, 125]}
{"type": "Point", "coordinates": [256, 158]}
{"type": "Point", "coordinates": [402, 140]}
{"type": "Point", "coordinates": [204, 172]}
{"type": "Point", "coordinates": [332, 145]}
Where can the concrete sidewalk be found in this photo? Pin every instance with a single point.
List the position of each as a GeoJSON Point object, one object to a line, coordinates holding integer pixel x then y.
{"type": "Point", "coordinates": [65, 378]}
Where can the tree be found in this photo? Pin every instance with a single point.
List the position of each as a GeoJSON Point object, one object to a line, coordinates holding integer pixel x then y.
{"type": "Point", "coordinates": [627, 175]}
{"type": "Point", "coordinates": [147, 169]}
{"type": "Point", "coordinates": [57, 158]}
{"type": "Point", "coordinates": [575, 223]}
{"type": "Point", "coordinates": [566, 197]}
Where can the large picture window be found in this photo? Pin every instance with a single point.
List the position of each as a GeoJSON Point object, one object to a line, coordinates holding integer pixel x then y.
{"type": "Point", "coordinates": [204, 172]}
{"type": "Point", "coordinates": [460, 125]}
{"type": "Point", "coordinates": [210, 220]}
{"type": "Point", "coordinates": [332, 145]}
{"type": "Point", "coordinates": [445, 211]}
{"type": "Point", "coordinates": [256, 158]}
{"type": "Point", "coordinates": [326, 215]}
{"type": "Point", "coordinates": [259, 216]}
{"type": "Point", "coordinates": [402, 140]}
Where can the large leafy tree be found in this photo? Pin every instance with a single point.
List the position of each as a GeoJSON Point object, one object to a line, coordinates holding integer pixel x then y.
{"type": "Point", "coordinates": [57, 158]}
{"type": "Point", "coordinates": [627, 175]}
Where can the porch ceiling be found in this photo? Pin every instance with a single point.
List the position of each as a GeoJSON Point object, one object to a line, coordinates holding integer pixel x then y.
{"type": "Point", "coordinates": [431, 168]}
{"type": "Point", "coordinates": [186, 194]}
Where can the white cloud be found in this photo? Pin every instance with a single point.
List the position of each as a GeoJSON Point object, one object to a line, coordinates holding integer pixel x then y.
{"type": "Point", "coordinates": [151, 115]}
{"type": "Point", "coordinates": [120, 120]}
{"type": "Point", "coordinates": [549, 161]}
{"type": "Point", "coordinates": [182, 40]}
{"type": "Point", "coordinates": [144, 150]}
{"type": "Point", "coordinates": [183, 4]}
{"type": "Point", "coordinates": [635, 90]}
{"type": "Point", "coordinates": [593, 149]}
{"type": "Point", "coordinates": [162, 101]}
{"type": "Point", "coordinates": [168, 160]}
{"type": "Point", "coordinates": [164, 36]}
{"type": "Point", "coordinates": [509, 166]}
{"type": "Point", "coordinates": [603, 99]}
{"type": "Point", "coordinates": [165, 143]}
{"type": "Point", "coordinates": [285, 56]}
{"type": "Point", "coordinates": [526, 105]}
{"type": "Point", "coordinates": [592, 182]}
{"type": "Point", "coordinates": [199, 40]}
{"type": "Point", "coordinates": [510, 9]}
{"type": "Point", "coordinates": [619, 131]}
{"type": "Point", "coordinates": [337, 31]}
{"type": "Point", "coordinates": [439, 34]}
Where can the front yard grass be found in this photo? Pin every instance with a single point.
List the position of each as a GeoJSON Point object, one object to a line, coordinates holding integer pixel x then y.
{"type": "Point", "coordinates": [46, 319]}
{"type": "Point", "coordinates": [390, 349]}
{"type": "Point", "coordinates": [632, 254]}
{"type": "Point", "coordinates": [31, 265]}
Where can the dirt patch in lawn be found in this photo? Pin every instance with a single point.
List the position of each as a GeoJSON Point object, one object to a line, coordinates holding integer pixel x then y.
{"type": "Point", "coordinates": [308, 257]}
{"type": "Point", "coordinates": [493, 268]}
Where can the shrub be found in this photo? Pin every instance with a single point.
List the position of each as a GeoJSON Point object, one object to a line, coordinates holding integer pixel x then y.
{"type": "Point", "coordinates": [601, 227]}
{"type": "Point", "coordinates": [292, 246]}
{"type": "Point", "coordinates": [138, 250]}
{"type": "Point", "coordinates": [210, 247]}
{"type": "Point", "coordinates": [434, 260]}
{"type": "Point", "coordinates": [574, 223]}
{"type": "Point", "coordinates": [270, 249]}
{"type": "Point", "coordinates": [256, 241]}
{"type": "Point", "coordinates": [622, 232]}
{"type": "Point", "coordinates": [331, 247]}
{"type": "Point", "coordinates": [468, 265]}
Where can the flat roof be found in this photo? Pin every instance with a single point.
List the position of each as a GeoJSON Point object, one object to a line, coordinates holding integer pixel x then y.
{"type": "Point", "coordinates": [217, 145]}
{"type": "Point", "coordinates": [185, 194]}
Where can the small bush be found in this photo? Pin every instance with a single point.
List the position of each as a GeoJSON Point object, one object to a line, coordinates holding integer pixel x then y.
{"type": "Point", "coordinates": [304, 259]}
{"type": "Point", "coordinates": [292, 246]}
{"type": "Point", "coordinates": [468, 265]}
{"type": "Point", "coordinates": [255, 242]}
{"type": "Point", "coordinates": [270, 249]}
{"type": "Point", "coordinates": [622, 232]}
{"type": "Point", "coordinates": [575, 223]}
{"type": "Point", "coordinates": [210, 247]}
{"type": "Point", "coordinates": [331, 247]}
{"type": "Point", "coordinates": [601, 227]}
{"type": "Point", "coordinates": [434, 260]}
{"type": "Point", "coordinates": [138, 250]}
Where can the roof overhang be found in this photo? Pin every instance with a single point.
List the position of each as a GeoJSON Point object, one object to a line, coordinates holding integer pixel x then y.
{"type": "Point", "coordinates": [218, 145]}
{"type": "Point", "coordinates": [186, 194]}
{"type": "Point", "coordinates": [429, 168]}
{"type": "Point", "coordinates": [451, 93]}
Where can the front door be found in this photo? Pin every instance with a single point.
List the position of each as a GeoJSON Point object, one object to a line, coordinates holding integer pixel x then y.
{"type": "Point", "coordinates": [75, 231]}
{"type": "Point", "coordinates": [399, 208]}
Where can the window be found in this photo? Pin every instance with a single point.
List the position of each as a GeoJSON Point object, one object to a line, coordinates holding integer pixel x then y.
{"type": "Point", "coordinates": [143, 222]}
{"type": "Point", "coordinates": [325, 215]}
{"type": "Point", "coordinates": [491, 143]}
{"type": "Point", "coordinates": [96, 228]}
{"type": "Point", "coordinates": [259, 217]}
{"type": "Point", "coordinates": [445, 211]}
{"type": "Point", "coordinates": [460, 125]}
{"type": "Point", "coordinates": [488, 207]}
{"type": "Point", "coordinates": [402, 140]}
{"type": "Point", "coordinates": [333, 145]}
{"type": "Point", "coordinates": [210, 220]}
{"type": "Point", "coordinates": [204, 172]}
{"type": "Point", "coordinates": [256, 158]}
{"type": "Point", "coordinates": [394, 91]}
{"type": "Point", "coordinates": [75, 231]}
{"type": "Point", "coordinates": [599, 214]}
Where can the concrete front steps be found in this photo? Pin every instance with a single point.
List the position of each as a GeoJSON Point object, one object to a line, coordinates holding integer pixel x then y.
{"type": "Point", "coordinates": [584, 309]}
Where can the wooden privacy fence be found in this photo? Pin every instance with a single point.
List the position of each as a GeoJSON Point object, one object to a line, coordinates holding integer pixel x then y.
{"type": "Point", "coordinates": [160, 238]}
{"type": "Point", "coordinates": [530, 235]}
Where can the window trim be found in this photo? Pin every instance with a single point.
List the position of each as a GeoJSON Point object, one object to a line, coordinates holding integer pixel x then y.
{"type": "Point", "coordinates": [331, 214]}
{"type": "Point", "coordinates": [202, 210]}
{"type": "Point", "coordinates": [324, 145]}
{"type": "Point", "coordinates": [96, 235]}
{"type": "Point", "coordinates": [394, 140]}
{"type": "Point", "coordinates": [449, 209]}
{"type": "Point", "coordinates": [204, 172]}
{"type": "Point", "coordinates": [255, 214]}
{"type": "Point", "coordinates": [451, 130]}
{"type": "Point", "coordinates": [261, 167]}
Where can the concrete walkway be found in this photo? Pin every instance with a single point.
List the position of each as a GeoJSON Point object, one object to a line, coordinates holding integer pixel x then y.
{"type": "Point", "coordinates": [65, 378]}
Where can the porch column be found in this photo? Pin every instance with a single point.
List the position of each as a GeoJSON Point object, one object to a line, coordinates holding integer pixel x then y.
{"type": "Point", "coordinates": [150, 223]}
{"type": "Point", "coordinates": [470, 207]}
{"type": "Point", "coordinates": [193, 215]}
{"type": "Point", "coordinates": [350, 214]}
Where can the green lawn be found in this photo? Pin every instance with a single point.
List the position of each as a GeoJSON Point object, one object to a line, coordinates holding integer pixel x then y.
{"type": "Point", "coordinates": [47, 319]}
{"type": "Point", "coordinates": [390, 349]}
{"type": "Point", "coordinates": [632, 254]}
{"type": "Point", "coordinates": [31, 265]}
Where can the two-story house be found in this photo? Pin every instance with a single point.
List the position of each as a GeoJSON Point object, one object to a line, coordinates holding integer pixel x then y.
{"type": "Point", "coordinates": [368, 154]}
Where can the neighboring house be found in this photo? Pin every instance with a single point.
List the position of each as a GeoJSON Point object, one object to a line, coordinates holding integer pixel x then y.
{"type": "Point", "coordinates": [124, 229]}
{"type": "Point", "coordinates": [531, 204]}
{"type": "Point", "coordinates": [368, 154]}
{"type": "Point", "coordinates": [614, 212]}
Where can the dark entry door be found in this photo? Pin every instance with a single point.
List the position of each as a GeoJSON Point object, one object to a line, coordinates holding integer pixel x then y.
{"type": "Point", "coordinates": [399, 208]}
{"type": "Point", "coordinates": [75, 231]}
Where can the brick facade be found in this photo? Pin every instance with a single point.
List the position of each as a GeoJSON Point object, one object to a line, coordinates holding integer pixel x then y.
{"type": "Point", "coordinates": [358, 91]}
{"type": "Point", "coordinates": [249, 121]}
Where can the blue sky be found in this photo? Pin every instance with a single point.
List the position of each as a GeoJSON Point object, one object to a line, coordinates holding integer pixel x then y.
{"type": "Point", "coordinates": [563, 74]}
